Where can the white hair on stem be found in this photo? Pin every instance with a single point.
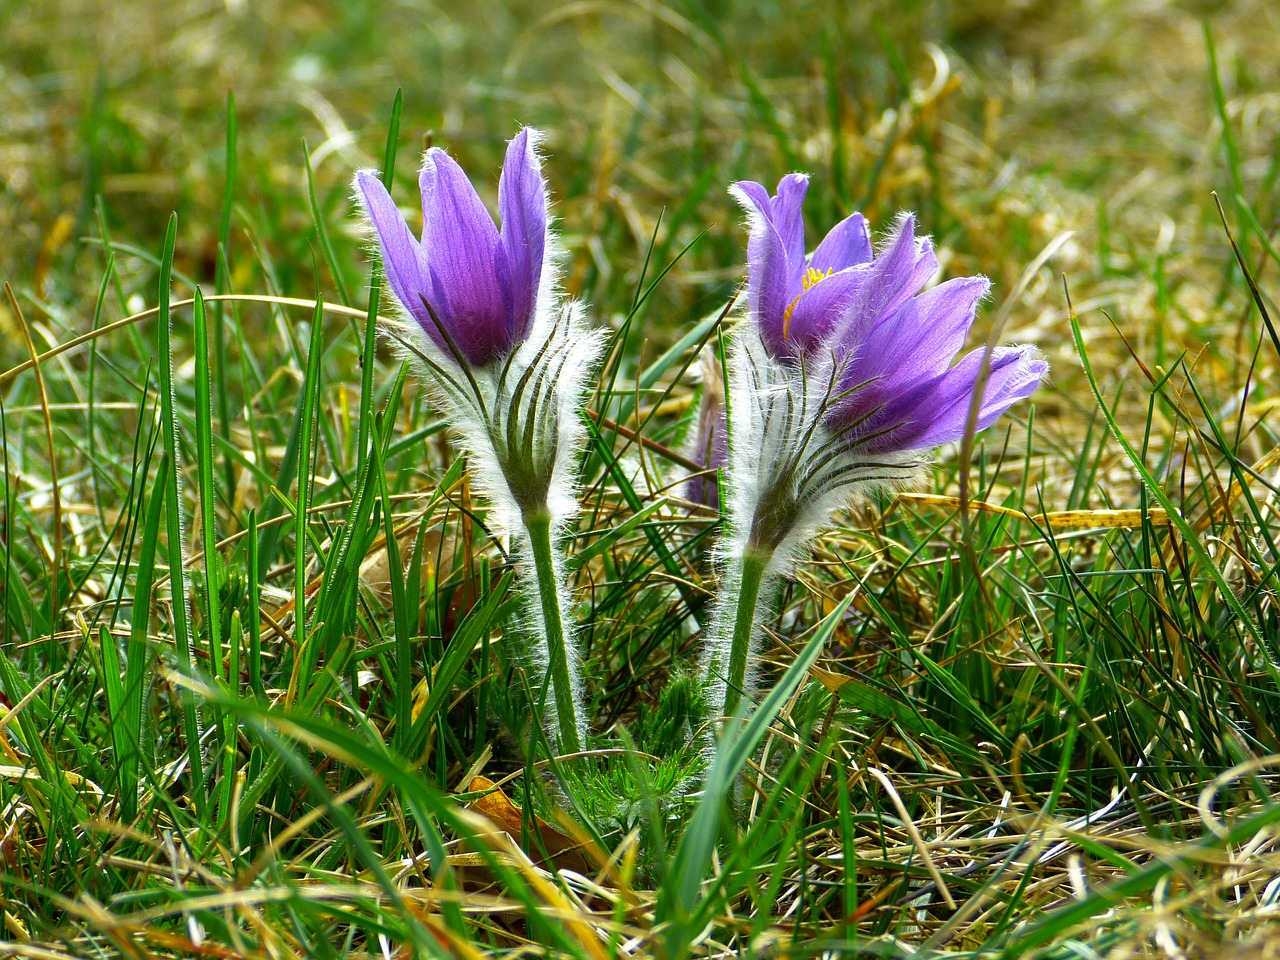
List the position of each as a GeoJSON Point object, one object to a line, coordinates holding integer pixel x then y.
{"type": "Point", "coordinates": [519, 420]}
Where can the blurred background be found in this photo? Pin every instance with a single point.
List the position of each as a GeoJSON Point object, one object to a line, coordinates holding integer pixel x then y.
{"type": "Point", "coordinates": [1002, 123]}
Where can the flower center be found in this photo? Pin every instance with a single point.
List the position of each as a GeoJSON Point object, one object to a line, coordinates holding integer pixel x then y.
{"type": "Point", "coordinates": [810, 279]}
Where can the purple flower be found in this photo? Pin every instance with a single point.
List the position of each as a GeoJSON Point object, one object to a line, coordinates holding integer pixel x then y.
{"type": "Point", "coordinates": [841, 381]}
{"type": "Point", "coordinates": [711, 445]}
{"type": "Point", "coordinates": [891, 344]}
{"type": "Point", "coordinates": [466, 281]}
{"type": "Point", "coordinates": [510, 362]}
{"type": "Point", "coordinates": [797, 301]}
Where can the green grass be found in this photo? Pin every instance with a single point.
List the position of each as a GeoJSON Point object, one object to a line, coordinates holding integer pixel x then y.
{"type": "Point", "coordinates": [259, 641]}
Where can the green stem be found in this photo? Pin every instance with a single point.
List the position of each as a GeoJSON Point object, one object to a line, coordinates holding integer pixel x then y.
{"type": "Point", "coordinates": [538, 528]}
{"type": "Point", "coordinates": [750, 578]}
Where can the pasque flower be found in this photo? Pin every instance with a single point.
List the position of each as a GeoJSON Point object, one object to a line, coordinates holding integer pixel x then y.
{"type": "Point", "coordinates": [891, 344]}
{"type": "Point", "coordinates": [510, 360]}
{"type": "Point", "coordinates": [841, 382]}
{"type": "Point", "coordinates": [711, 441]}
{"type": "Point", "coordinates": [466, 280]}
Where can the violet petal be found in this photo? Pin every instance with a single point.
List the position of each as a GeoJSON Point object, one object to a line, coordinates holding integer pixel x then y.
{"type": "Point", "coordinates": [768, 286]}
{"type": "Point", "coordinates": [711, 452]}
{"type": "Point", "coordinates": [401, 253]}
{"type": "Point", "coordinates": [461, 244]}
{"type": "Point", "coordinates": [788, 220]}
{"type": "Point", "coordinates": [896, 274]}
{"type": "Point", "coordinates": [522, 205]}
{"type": "Point", "coordinates": [919, 341]}
{"type": "Point", "coordinates": [847, 244]}
{"type": "Point", "coordinates": [938, 413]}
{"type": "Point", "coordinates": [817, 311]}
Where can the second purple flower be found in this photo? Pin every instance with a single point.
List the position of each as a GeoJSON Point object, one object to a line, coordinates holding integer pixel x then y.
{"type": "Point", "coordinates": [841, 382]}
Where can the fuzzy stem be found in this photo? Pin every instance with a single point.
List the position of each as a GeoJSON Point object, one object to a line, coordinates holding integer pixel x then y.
{"type": "Point", "coordinates": [750, 577]}
{"type": "Point", "coordinates": [538, 529]}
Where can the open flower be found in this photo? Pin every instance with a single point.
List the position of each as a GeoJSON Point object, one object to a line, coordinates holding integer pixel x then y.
{"type": "Point", "coordinates": [466, 280]}
{"type": "Point", "coordinates": [851, 374]}
{"type": "Point", "coordinates": [796, 300]}
{"type": "Point", "coordinates": [511, 362]}
{"type": "Point", "coordinates": [841, 382]}
{"type": "Point", "coordinates": [892, 344]}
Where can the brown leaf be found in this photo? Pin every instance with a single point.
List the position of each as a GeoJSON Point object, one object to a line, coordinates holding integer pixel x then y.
{"type": "Point", "coordinates": [565, 852]}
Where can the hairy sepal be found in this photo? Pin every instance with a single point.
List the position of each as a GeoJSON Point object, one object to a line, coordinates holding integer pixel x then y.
{"type": "Point", "coordinates": [789, 472]}
{"type": "Point", "coordinates": [519, 417]}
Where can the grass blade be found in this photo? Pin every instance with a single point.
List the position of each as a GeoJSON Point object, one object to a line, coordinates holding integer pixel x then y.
{"type": "Point", "coordinates": [208, 490]}
{"type": "Point", "coordinates": [680, 893]}
{"type": "Point", "coordinates": [172, 479]}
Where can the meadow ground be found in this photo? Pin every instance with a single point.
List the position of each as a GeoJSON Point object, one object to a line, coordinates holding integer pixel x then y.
{"type": "Point", "coordinates": [1047, 719]}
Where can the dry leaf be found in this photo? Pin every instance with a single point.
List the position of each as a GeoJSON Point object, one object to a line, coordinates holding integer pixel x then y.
{"type": "Point", "coordinates": [565, 852]}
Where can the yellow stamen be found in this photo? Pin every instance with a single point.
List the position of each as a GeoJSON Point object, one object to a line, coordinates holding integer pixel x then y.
{"type": "Point", "coordinates": [811, 278]}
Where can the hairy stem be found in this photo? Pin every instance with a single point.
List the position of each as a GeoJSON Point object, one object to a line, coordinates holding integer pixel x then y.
{"type": "Point", "coordinates": [550, 597]}
{"type": "Point", "coordinates": [750, 576]}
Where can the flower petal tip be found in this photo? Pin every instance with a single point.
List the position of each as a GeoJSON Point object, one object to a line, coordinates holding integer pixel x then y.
{"type": "Point", "coordinates": [473, 289]}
